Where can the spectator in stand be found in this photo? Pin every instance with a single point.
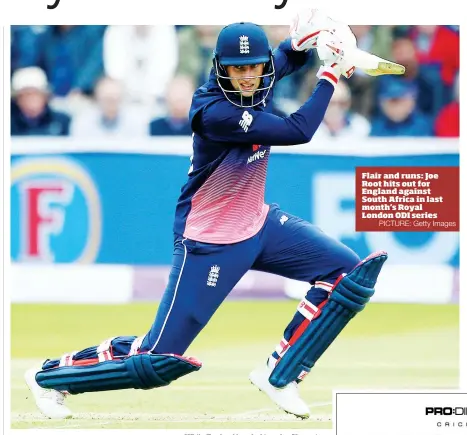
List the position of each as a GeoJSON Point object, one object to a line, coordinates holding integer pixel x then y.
{"type": "Point", "coordinates": [376, 40]}
{"type": "Point", "coordinates": [399, 114]}
{"type": "Point", "coordinates": [71, 56]}
{"type": "Point", "coordinates": [339, 120]}
{"type": "Point", "coordinates": [25, 46]}
{"type": "Point", "coordinates": [447, 122]}
{"type": "Point", "coordinates": [438, 45]}
{"type": "Point", "coordinates": [143, 58]}
{"type": "Point", "coordinates": [31, 114]}
{"type": "Point", "coordinates": [110, 117]}
{"type": "Point", "coordinates": [196, 44]}
{"type": "Point", "coordinates": [426, 79]}
{"type": "Point", "coordinates": [178, 102]}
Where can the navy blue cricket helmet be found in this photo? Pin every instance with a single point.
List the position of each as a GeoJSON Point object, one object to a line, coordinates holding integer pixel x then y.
{"type": "Point", "coordinates": [243, 44]}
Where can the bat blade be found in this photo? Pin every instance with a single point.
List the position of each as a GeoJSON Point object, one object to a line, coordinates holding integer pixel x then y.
{"type": "Point", "coordinates": [386, 67]}
{"type": "Point", "coordinates": [371, 64]}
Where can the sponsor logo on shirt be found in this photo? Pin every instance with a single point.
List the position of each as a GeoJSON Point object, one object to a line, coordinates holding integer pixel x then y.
{"type": "Point", "coordinates": [258, 155]}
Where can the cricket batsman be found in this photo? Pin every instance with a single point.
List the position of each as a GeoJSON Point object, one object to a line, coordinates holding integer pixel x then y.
{"type": "Point", "coordinates": [223, 228]}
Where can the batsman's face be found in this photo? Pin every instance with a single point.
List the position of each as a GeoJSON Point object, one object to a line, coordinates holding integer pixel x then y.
{"type": "Point", "coordinates": [245, 78]}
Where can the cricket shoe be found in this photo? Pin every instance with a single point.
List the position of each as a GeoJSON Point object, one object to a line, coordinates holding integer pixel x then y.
{"type": "Point", "coordinates": [287, 398]}
{"type": "Point", "coordinates": [49, 402]}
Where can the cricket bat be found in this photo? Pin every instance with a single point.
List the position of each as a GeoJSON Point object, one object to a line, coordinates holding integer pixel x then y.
{"type": "Point", "coordinates": [310, 23]}
{"type": "Point", "coordinates": [371, 64]}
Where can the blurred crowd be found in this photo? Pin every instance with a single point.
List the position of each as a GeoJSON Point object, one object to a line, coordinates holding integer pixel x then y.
{"type": "Point", "coordinates": [137, 81]}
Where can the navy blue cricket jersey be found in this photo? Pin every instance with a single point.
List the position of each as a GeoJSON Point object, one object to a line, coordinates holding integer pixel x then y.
{"type": "Point", "coordinates": [223, 200]}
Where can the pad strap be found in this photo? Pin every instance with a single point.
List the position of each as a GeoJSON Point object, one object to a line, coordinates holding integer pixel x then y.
{"type": "Point", "coordinates": [308, 310]}
{"type": "Point", "coordinates": [135, 346]}
{"type": "Point", "coordinates": [104, 352]}
{"type": "Point", "coordinates": [67, 359]}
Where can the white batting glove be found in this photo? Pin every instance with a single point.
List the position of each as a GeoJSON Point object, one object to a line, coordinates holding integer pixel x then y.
{"type": "Point", "coordinates": [348, 39]}
{"type": "Point", "coordinates": [308, 24]}
{"type": "Point", "coordinates": [306, 27]}
{"type": "Point", "coordinates": [329, 50]}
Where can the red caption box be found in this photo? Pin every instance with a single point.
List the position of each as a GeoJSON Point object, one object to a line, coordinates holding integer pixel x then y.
{"type": "Point", "coordinates": [407, 198]}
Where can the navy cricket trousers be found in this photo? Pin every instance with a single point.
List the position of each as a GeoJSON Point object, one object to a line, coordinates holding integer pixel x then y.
{"type": "Point", "coordinates": [203, 275]}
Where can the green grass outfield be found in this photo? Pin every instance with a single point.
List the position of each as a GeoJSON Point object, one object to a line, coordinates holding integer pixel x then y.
{"type": "Point", "coordinates": [385, 346]}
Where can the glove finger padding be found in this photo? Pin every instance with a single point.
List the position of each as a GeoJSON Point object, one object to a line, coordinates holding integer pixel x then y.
{"type": "Point", "coordinates": [329, 48]}
{"type": "Point", "coordinates": [348, 39]}
{"type": "Point", "coordinates": [306, 27]}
